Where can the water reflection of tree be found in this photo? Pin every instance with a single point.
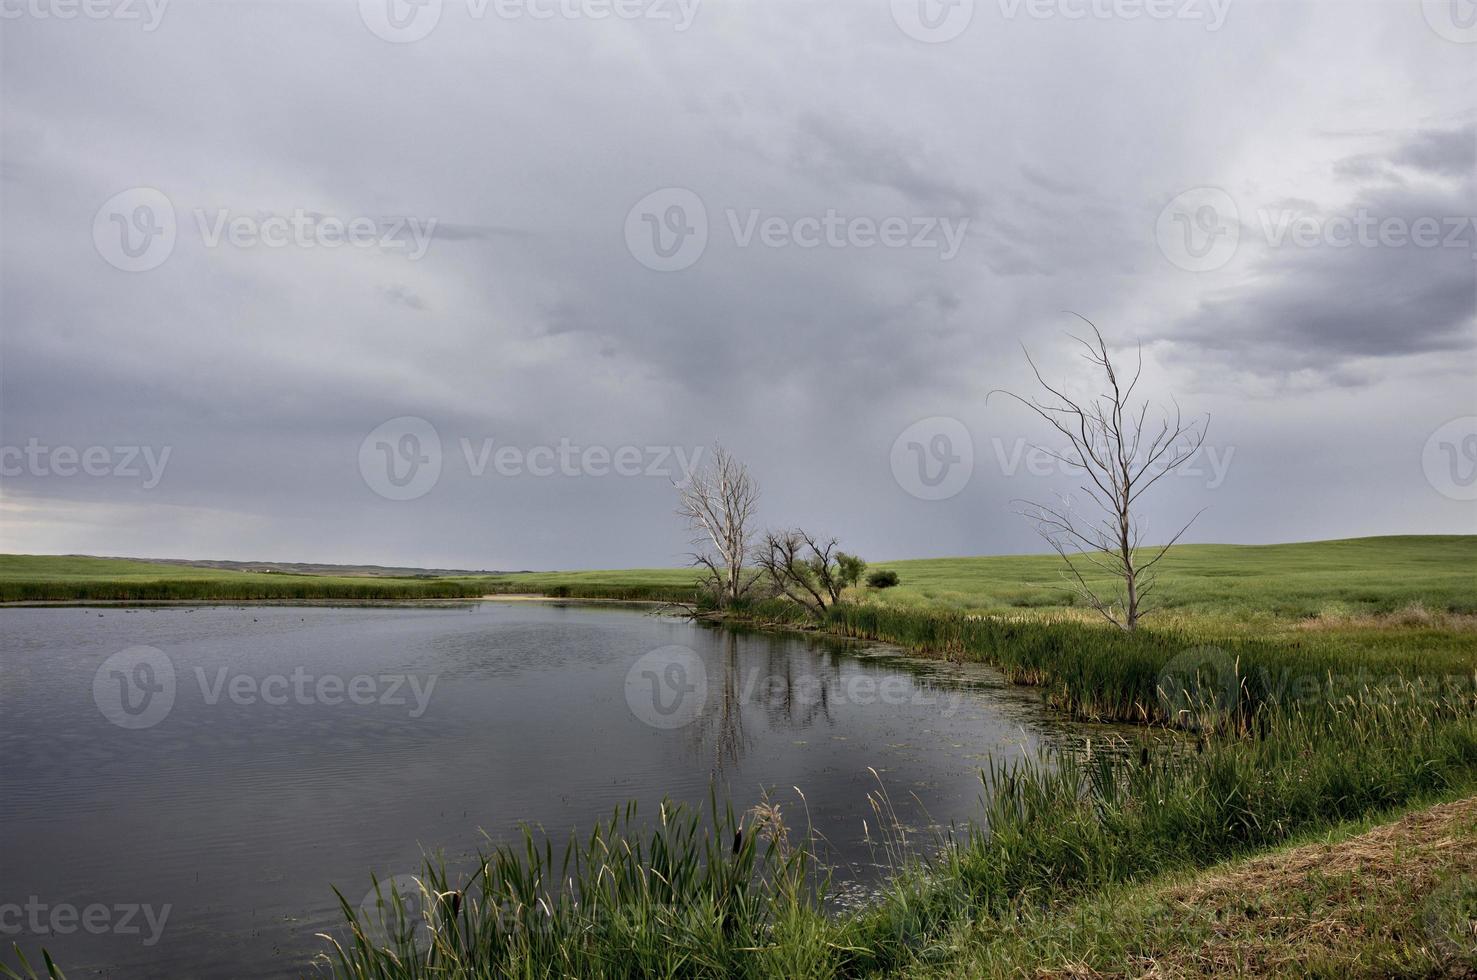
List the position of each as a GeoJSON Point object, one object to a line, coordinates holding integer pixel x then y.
{"type": "Point", "coordinates": [786, 697]}
{"type": "Point", "coordinates": [788, 680]}
{"type": "Point", "coordinates": [721, 724]}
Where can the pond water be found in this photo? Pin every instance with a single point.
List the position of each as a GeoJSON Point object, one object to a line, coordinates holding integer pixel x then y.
{"type": "Point", "coordinates": [180, 786]}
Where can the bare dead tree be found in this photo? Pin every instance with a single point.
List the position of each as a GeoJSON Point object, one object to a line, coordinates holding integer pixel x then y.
{"type": "Point", "coordinates": [808, 570]}
{"type": "Point", "coordinates": [718, 502]}
{"type": "Point", "coordinates": [1123, 454]}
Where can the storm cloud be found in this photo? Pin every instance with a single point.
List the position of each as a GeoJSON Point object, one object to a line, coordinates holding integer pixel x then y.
{"type": "Point", "coordinates": [1386, 272]}
{"type": "Point", "coordinates": [263, 235]}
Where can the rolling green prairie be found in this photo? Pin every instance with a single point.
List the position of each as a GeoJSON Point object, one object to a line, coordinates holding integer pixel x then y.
{"type": "Point", "coordinates": [1358, 576]}
{"type": "Point", "coordinates": [1349, 576]}
{"type": "Point", "coordinates": [1228, 584]}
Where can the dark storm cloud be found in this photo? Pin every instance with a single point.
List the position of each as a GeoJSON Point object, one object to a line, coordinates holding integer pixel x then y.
{"type": "Point", "coordinates": [836, 149]}
{"type": "Point", "coordinates": [1364, 167]}
{"type": "Point", "coordinates": [530, 320]}
{"type": "Point", "coordinates": [1441, 152]}
{"type": "Point", "coordinates": [1346, 295]}
{"type": "Point", "coordinates": [399, 295]}
{"type": "Point", "coordinates": [1450, 153]}
{"type": "Point", "coordinates": [1049, 183]}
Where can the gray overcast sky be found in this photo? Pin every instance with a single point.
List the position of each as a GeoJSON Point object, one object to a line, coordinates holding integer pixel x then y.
{"type": "Point", "coordinates": [816, 231]}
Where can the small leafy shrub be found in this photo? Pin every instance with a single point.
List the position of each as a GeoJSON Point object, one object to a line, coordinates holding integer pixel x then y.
{"type": "Point", "coordinates": [882, 579]}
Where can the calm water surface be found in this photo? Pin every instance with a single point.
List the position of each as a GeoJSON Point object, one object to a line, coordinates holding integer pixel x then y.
{"type": "Point", "coordinates": [307, 746]}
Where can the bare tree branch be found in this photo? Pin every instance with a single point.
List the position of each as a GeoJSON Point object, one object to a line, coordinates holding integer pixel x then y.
{"type": "Point", "coordinates": [718, 501]}
{"type": "Point", "coordinates": [1123, 455]}
{"type": "Point", "coordinates": [810, 571]}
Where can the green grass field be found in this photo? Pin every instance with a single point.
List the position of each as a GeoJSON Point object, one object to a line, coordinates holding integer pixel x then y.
{"type": "Point", "coordinates": [1371, 596]}
{"type": "Point", "coordinates": [1259, 585]}
{"type": "Point", "coordinates": [30, 578]}
{"type": "Point", "coordinates": [1354, 577]}
{"type": "Point", "coordinates": [44, 578]}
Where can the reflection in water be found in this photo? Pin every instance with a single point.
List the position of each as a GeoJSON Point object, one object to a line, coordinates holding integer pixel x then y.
{"type": "Point", "coordinates": [790, 681]}
{"type": "Point", "coordinates": [721, 727]}
{"type": "Point", "coordinates": [239, 812]}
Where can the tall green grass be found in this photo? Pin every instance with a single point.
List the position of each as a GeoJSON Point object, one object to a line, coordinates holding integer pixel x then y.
{"type": "Point", "coordinates": [74, 578]}
{"type": "Point", "coordinates": [1105, 674]}
{"type": "Point", "coordinates": [695, 898]}
{"type": "Point", "coordinates": [23, 970]}
{"type": "Point", "coordinates": [1050, 834]}
{"type": "Point", "coordinates": [245, 588]}
{"type": "Point", "coordinates": [709, 894]}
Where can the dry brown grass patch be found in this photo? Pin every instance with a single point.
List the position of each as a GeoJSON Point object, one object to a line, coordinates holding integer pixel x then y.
{"type": "Point", "coordinates": [1414, 617]}
{"type": "Point", "coordinates": [1262, 926]}
{"type": "Point", "coordinates": [1359, 907]}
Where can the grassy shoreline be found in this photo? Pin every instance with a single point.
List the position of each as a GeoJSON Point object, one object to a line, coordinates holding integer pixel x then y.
{"type": "Point", "coordinates": [676, 900]}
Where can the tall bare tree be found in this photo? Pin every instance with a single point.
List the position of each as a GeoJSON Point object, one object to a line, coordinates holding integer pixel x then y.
{"type": "Point", "coordinates": [808, 570]}
{"type": "Point", "coordinates": [718, 502]}
{"type": "Point", "coordinates": [1123, 454]}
